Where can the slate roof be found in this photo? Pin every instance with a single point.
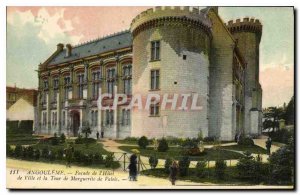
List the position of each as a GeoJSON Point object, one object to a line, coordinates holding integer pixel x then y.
{"type": "Point", "coordinates": [112, 42]}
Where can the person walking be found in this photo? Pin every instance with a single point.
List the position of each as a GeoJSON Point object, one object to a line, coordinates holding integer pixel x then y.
{"type": "Point", "coordinates": [97, 134]}
{"type": "Point", "coordinates": [69, 155]}
{"type": "Point", "coordinates": [268, 145]}
{"type": "Point", "coordinates": [102, 134]}
{"type": "Point", "coordinates": [133, 168]}
{"type": "Point", "coordinates": [173, 172]}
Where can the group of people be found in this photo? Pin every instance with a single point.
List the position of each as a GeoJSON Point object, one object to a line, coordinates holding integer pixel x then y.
{"type": "Point", "coordinates": [174, 168]}
{"type": "Point", "coordinates": [102, 134]}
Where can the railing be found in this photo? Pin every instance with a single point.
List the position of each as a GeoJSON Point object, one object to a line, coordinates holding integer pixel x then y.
{"type": "Point", "coordinates": [124, 160]}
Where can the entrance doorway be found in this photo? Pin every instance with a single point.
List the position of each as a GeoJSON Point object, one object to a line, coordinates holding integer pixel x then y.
{"type": "Point", "coordinates": [75, 122]}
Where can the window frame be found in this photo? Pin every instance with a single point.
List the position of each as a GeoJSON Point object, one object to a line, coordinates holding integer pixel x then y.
{"type": "Point", "coordinates": [156, 85]}
{"type": "Point", "coordinates": [155, 49]}
{"type": "Point", "coordinates": [156, 110]}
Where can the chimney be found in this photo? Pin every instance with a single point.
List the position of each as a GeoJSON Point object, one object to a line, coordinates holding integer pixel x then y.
{"type": "Point", "coordinates": [69, 50]}
{"type": "Point", "coordinates": [60, 47]}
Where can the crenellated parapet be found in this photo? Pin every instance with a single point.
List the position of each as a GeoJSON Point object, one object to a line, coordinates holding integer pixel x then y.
{"type": "Point", "coordinates": [170, 15]}
{"type": "Point", "coordinates": [246, 25]}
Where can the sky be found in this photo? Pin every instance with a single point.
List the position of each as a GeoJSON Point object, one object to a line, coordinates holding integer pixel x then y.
{"type": "Point", "coordinates": [34, 32]}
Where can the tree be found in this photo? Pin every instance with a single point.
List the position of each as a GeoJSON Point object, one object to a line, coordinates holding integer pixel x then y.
{"type": "Point", "coordinates": [163, 145]}
{"type": "Point", "coordinates": [282, 164]}
{"type": "Point", "coordinates": [184, 164]}
{"type": "Point", "coordinates": [143, 142]}
{"type": "Point", "coordinates": [289, 114]}
{"type": "Point", "coordinates": [62, 138]}
{"type": "Point", "coordinates": [272, 115]}
{"type": "Point", "coordinates": [168, 163]}
{"type": "Point", "coordinates": [249, 168]}
{"type": "Point", "coordinates": [86, 130]}
{"type": "Point", "coordinates": [200, 168]}
{"type": "Point", "coordinates": [153, 161]}
{"type": "Point", "coordinates": [220, 168]}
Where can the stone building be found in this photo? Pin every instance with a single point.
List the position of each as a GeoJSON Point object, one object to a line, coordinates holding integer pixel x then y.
{"type": "Point", "coordinates": [13, 94]}
{"type": "Point", "coordinates": [167, 51]}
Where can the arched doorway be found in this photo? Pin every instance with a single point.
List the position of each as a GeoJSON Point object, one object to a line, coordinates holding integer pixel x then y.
{"type": "Point", "coordinates": [75, 122]}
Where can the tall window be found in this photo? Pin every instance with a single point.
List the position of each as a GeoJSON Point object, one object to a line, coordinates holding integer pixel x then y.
{"type": "Point", "coordinates": [67, 81]}
{"type": "Point", "coordinates": [109, 117]}
{"type": "Point", "coordinates": [96, 76]}
{"type": "Point", "coordinates": [154, 109]}
{"type": "Point", "coordinates": [45, 84]}
{"type": "Point", "coordinates": [44, 116]}
{"type": "Point", "coordinates": [111, 80]}
{"type": "Point", "coordinates": [125, 117]}
{"type": "Point", "coordinates": [155, 50]}
{"type": "Point", "coordinates": [80, 80]}
{"type": "Point", "coordinates": [127, 72]}
{"type": "Point", "coordinates": [55, 89]}
{"type": "Point", "coordinates": [92, 117]}
{"type": "Point", "coordinates": [44, 98]}
{"type": "Point", "coordinates": [55, 83]}
{"type": "Point", "coordinates": [154, 79]}
{"type": "Point", "coordinates": [96, 119]}
{"type": "Point", "coordinates": [63, 118]}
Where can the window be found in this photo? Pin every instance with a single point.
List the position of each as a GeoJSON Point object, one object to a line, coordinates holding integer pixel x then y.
{"type": "Point", "coordinates": [64, 118]}
{"type": "Point", "coordinates": [125, 117]}
{"type": "Point", "coordinates": [96, 118]}
{"type": "Point", "coordinates": [45, 84]}
{"type": "Point", "coordinates": [154, 109]}
{"type": "Point", "coordinates": [109, 117]}
{"type": "Point", "coordinates": [54, 100]}
{"type": "Point", "coordinates": [44, 98]}
{"type": "Point", "coordinates": [44, 119]}
{"type": "Point", "coordinates": [55, 118]}
{"type": "Point", "coordinates": [95, 86]}
{"type": "Point", "coordinates": [52, 117]}
{"type": "Point", "coordinates": [184, 57]}
{"type": "Point", "coordinates": [92, 113]}
{"type": "Point", "coordinates": [154, 79]}
{"type": "Point", "coordinates": [127, 73]}
{"type": "Point", "coordinates": [55, 83]}
{"type": "Point", "coordinates": [155, 50]}
{"type": "Point", "coordinates": [55, 88]}
{"type": "Point", "coordinates": [67, 81]}
{"type": "Point", "coordinates": [80, 85]}
{"type": "Point", "coordinates": [110, 80]}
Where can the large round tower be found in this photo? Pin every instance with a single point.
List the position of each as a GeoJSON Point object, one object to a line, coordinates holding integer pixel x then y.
{"type": "Point", "coordinates": [248, 35]}
{"type": "Point", "coordinates": [171, 56]}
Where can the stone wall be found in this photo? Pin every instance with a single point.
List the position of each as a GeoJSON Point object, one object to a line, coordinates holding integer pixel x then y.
{"type": "Point", "coordinates": [221, 117]}
{"type": "Point", "coordinates": [176, 76]}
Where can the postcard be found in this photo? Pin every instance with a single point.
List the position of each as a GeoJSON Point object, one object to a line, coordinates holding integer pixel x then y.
{"type": "Point", "coordinates": [163, 97]}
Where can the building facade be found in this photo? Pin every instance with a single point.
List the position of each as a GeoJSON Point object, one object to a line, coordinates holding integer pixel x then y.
{"type": "Point", "coordinates": [168, 51]}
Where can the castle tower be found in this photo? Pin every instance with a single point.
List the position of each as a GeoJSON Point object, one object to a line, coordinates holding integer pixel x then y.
{"type": "Point", "coordinates": [171, 48]}
{"type": "Point", "coordinates": [248, 35]}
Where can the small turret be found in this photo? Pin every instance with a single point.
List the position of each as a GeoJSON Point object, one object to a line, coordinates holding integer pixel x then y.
{"type": "Point", "coordinates": [247, 25]}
